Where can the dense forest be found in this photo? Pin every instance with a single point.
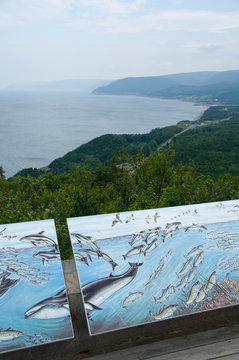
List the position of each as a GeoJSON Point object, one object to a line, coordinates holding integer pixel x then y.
{"type": "Point", "coordinates": [150, 182]}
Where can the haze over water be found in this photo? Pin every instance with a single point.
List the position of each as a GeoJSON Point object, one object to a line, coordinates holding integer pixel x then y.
{"type": "Point", "coordinates": [36, 128]}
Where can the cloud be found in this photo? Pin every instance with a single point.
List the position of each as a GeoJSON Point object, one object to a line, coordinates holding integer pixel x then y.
{"type": "Point", "coordinates": [115, 16]}
{"type": "Point", "coordinates": [116, 7]}
{"type": "Point", "coordinates": [203, 47]}
{"type": "Point", "coordinates": [7, 19]}
{"type": "Point", "coordinates": [20, 12]}
{"type": "Point", "coordinates": [183, 20]}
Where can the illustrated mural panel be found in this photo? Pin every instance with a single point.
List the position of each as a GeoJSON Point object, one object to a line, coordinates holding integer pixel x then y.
{"type": "Point", "coordinates": [34, 308]}
{"type": "Point", "coordinates": [143, 266]}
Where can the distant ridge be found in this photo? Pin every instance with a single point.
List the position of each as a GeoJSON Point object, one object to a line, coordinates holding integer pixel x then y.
{"type": "Point", "coordinates": [206, 86]}
{"type": "Point", "coordinates": [75, 85]}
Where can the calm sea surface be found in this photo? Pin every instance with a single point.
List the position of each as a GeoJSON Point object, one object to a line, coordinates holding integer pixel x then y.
{"type": "Point", "coordinates": [36, 128]}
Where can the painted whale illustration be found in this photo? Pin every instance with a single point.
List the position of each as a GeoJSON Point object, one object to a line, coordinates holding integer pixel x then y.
{"type": "Point", "coordinates": [96, 292]}
{"type": "Point", "coordinates": [6, 283]}
{"type": "Point", "coordinates": [52, 307]}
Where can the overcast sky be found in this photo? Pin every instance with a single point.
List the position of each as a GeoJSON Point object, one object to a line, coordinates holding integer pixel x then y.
{"type": "Point", "coordinates": [43, 40]}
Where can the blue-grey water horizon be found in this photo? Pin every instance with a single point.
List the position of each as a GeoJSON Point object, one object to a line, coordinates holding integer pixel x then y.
{"type": "Point", "coordinates": [37, 128]}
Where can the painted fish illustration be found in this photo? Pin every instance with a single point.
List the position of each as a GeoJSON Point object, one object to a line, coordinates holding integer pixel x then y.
{"type": "Point", "coordinates": [201, 294]}
{"type": "Point", "coordinates": [150, 280]}
{"type": "Point", "coordinates": [180, 284]}
{"type": "Point", "coordinates": [191, 275]}
{"type": "Point", "coordinates": [194, 251]}
{"type": "Point", "coordinates": [132, 297]}
{"type": "Point", "coordinates": [164, 294]}
{"type": "Point", "coordinates": [96, 292]}
{"type": "Point", "coordinates": [210, 282]}
{"type": "Point", "coordinates": [159, 268]}
{"type": "Point", "coordinates": [39, 238]}
{"type": "Point", "coordinates": [151, 232]}
{"type": "Point", "coordinates": [186, 267]}
{"type": "Point", "coordinates": [165, 312]}
{"type": "Point", "coordinates": [198, 259]}
{"type": "Point", "coordinates": [150, 246]}
{"type": "Point", "coordinates": [136, 237]}
{"type": "Point", "coordinates": [9, 334]}
{"type": "Point", "coordinates": [193, 293]}
{"type": "Point", "coordinates": [53, 307]}
{"type": "Point", "coordinates": [134, 251]}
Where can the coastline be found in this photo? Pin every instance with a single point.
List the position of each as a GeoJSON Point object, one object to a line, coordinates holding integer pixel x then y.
{"type": "Point", "coordinates": [195, 103]}
{"type": "Point", "coordinates": [86, 118]}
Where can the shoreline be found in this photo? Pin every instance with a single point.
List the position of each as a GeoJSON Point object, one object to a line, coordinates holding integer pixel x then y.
{"type": "Point", "coordinates": [195, 103]}
{"type": "Point", "coordinates": [152, 127]}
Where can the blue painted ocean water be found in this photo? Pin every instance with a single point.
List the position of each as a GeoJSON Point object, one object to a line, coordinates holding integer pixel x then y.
{"type": "Point", "coordinates": [36, 128]}
{"type": "Point", "coordinates": [36, 283]}
{"type": "Point", "coordinates": [218, 250]}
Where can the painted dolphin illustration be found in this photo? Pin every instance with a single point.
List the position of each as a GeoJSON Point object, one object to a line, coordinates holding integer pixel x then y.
{"type": "Point", "coordinates": [99, 254]}
{"type": "Point", "coordinates": [47, 255]}
{"type": "Point", "coordinates": [6, 283]}
{"type": "Point", "coordinates": [96, 292]}
{"type": "Point", "coordinates": [136, 250]}
{"type": "Point", "coordinates": [53, 307]}
{"type": "Point", "coordinates": [39, 238]}
{"type": "Point", "coordinates": [85, 240]}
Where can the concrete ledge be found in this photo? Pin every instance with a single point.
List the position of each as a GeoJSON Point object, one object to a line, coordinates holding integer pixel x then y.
{"type": "Point", "coordinates": [217, 344]}
{"type": "Point", "coordinates": [83, 345]}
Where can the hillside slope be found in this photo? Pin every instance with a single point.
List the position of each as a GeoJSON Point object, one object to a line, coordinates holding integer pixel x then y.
{"type": "Point", "coordinates": [211, 142]}
{"type": "Point", "coordinates": [208, 87]}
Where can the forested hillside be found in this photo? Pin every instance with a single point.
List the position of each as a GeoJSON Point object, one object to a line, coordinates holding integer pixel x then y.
{"type": "Point", "coordinates": [208, 87]}
{"type": "Point", "coordinates": [211, 142]}
{"type": "Point", "coordinates": [151, 182]}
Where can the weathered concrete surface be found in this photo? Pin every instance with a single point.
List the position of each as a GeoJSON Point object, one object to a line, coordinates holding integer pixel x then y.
{"type": "Point", "coordinates": [217, 344]}
{"type": "Point", "coordinates": [83, 345]}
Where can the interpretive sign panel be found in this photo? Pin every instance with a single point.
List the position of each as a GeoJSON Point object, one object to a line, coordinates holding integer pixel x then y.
{"type": "Point", "coordinates": [34, 308]}
{"type": "Point", "coordinates": [143, 266]}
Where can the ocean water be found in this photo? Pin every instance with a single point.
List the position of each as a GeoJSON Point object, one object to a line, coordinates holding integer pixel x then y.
{"type": "Point", "coordinates": [36, 128]}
